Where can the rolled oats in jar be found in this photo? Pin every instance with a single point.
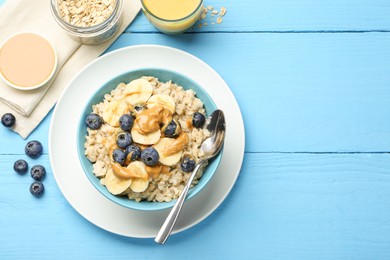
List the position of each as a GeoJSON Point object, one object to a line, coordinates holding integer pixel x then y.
{"type": "Point", "coordinates": [88, 21]}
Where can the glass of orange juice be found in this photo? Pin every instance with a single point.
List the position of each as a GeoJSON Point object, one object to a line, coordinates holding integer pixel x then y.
{"type": "Point", "coordinates": [172, 16]}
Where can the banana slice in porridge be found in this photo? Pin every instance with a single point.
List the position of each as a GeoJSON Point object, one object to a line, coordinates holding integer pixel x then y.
{"type": "Point", "coordinates": [162, 100]}
{"type": "Point", "coordinates": [171, 149]}
{"type": "Point", "coordinates": [138, 92]}
{"type": "Point", "coordinates": [114, 184]}
{"type": "Point", "coordinates": [146, 139]}
{"type": "Point", "coordinates": [121, 178]}
{"type": "Point", "coordinates": [114, 111]}
{"type": "Point", "coordinates": [139, 185]}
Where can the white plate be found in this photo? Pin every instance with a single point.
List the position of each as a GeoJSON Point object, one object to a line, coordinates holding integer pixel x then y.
{"type": "Point", "coordinates": [72, 181]}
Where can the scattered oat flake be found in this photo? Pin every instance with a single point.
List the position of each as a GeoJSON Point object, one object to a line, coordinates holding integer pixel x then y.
{"type": "Point", "coordinates": [223, 11]}
{"type": "Point", "coordinates": [200, 25]}
{"type": "Point", "coordinates": [214, 12]}
{"type": "Point", "coordinates": [202, 16]}
{"type": "Point", "coordinates": [205, 24]}
{"type": "Point", "coordinates": [204, 10]}
{"type": "Point", "coordinates": [219, 20]}
{"type": "Point", "coordinates": [210, 7]}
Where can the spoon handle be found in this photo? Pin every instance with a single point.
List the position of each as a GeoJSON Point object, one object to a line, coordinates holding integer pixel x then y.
{"type": "Point", "coordinates": [170, 221]}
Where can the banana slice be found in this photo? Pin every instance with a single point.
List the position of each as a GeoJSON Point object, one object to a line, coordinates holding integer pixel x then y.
{"type": "Point", "coordinates": [139, 185]}
{"type": "Point", "coordinates": [114, 111]}
{"type": "Point", "coordinates": [133, 170]}
{"type": "Point", "coordinates": [147, 139]}
{"type": "Point", "coordinates": [163, 148]}
{"type": "Point", "coordinates": [138, 170]}
{"type": "Point", "coordinates": [138, 91]}
{"type": "Point", "coordinates": [162, 100]}
{"type": "Point", "coordinates": [114, 184]}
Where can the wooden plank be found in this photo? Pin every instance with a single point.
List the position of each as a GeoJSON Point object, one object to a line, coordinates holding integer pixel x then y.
{"type": "Point", "coordinates": [283, 206]}
{"type": "Point", "coordinates": [295, 15]}
{"type": "Point", "coordinates": [297, 92]}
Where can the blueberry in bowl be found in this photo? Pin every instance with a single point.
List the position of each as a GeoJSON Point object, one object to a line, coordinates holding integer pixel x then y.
{"type": "Point", "coordinates": [94, 121]}
{"type": "Point", "coordinates": [126, 122]}
{"type": "Point", "coordinates": [123, 140]}
{"type": "Point", "coordinates": [133, 152]}
{"type": "Point", "coordinates": [150, 156]}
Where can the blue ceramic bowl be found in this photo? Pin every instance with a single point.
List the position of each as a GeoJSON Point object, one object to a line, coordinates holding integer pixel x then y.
{"type": "Point", "coordinates": [163, 75]}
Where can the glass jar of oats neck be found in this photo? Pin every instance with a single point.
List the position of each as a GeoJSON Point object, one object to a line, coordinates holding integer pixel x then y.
{"type": "Point", "coordinates": [172, 16]}
{"type": "Point", "coordinates": [88, 21]}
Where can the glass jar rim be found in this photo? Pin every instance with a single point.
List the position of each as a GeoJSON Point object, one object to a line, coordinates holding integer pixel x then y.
{"type": "Point", "coordinates": [90, 29]}
{"type": "Point", "coordinates": [171, 20]}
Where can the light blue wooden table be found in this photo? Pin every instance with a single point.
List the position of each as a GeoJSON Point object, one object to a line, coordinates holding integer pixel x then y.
{"type": "Point", "coordinates": [312, 79]}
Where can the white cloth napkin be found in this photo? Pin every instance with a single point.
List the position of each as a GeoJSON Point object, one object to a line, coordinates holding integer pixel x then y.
{"type": "Point", "coordinates": [31, 107]}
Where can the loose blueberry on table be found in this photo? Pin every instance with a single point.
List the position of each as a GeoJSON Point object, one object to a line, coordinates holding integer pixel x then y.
{"type": "Point", "coordinates": [38, 172]}
{"type": "Point", "coordinates": [150, 156]}
{"type": "Point", "coordinates": [8, 120]}
{"type": "Point", "coordinates": [33, 149]}
{"type": "Point", "coordinates": [21, 166]}
{"type": "Point", "coordinates": [37, 188]}
{"type": "Point", "coordinates": [94, 121]}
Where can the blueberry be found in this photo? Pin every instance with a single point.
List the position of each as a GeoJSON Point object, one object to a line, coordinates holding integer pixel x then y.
{"type": "Point", "coordinates": [134, 150]}
{"type": "Point", "coordinates": [8, 120]}
{"type": "Point", "coordinates": [38, 172]}
{"type": "Point", "coordinates": [198, 120]}
{"type": "Point", "coordinates": [138, 108]}
{"type": "Point", "coordinates": [94, 121]}
{"type": "Point", "coordinates": [123, 140]}
{"type": "Point", "coordinates": [150, 156]}
{"type": "Point", "coordinates": [172, 129]}
{"type": "Point", "coordinates": [187, 165]}
{"type": "Point", "coordinates": [37, 188]}
{"type": "Point", "coordinates": [33, 149]}
{"type": "Point", "coordinates": [119, 156]}
{"type": "Point", "coordinates": [21, 166]}
{"type": "Point", "coordinates": [126, 122]}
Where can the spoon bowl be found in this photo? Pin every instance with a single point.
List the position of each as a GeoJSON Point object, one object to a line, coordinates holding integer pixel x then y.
{"type": "Point", "coordinates": [216, 126]}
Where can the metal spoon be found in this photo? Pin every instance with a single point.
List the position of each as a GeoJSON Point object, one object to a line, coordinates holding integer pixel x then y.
{"type": "Point", "coordinates": [210, 147]}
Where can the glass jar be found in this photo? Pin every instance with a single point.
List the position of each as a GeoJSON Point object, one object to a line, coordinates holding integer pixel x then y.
{"type": "Point", "coordinates": [94, 34]}
{"type": "Point", "coordinates": [168, 25]}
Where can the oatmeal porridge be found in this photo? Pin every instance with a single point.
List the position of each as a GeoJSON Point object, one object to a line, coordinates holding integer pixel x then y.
{"type": "Point", "coordinates": [143, 139]}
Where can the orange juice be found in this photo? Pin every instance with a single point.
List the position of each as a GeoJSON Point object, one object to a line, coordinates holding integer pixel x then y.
{"type": "Point", "coordinates": [172, 16]}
